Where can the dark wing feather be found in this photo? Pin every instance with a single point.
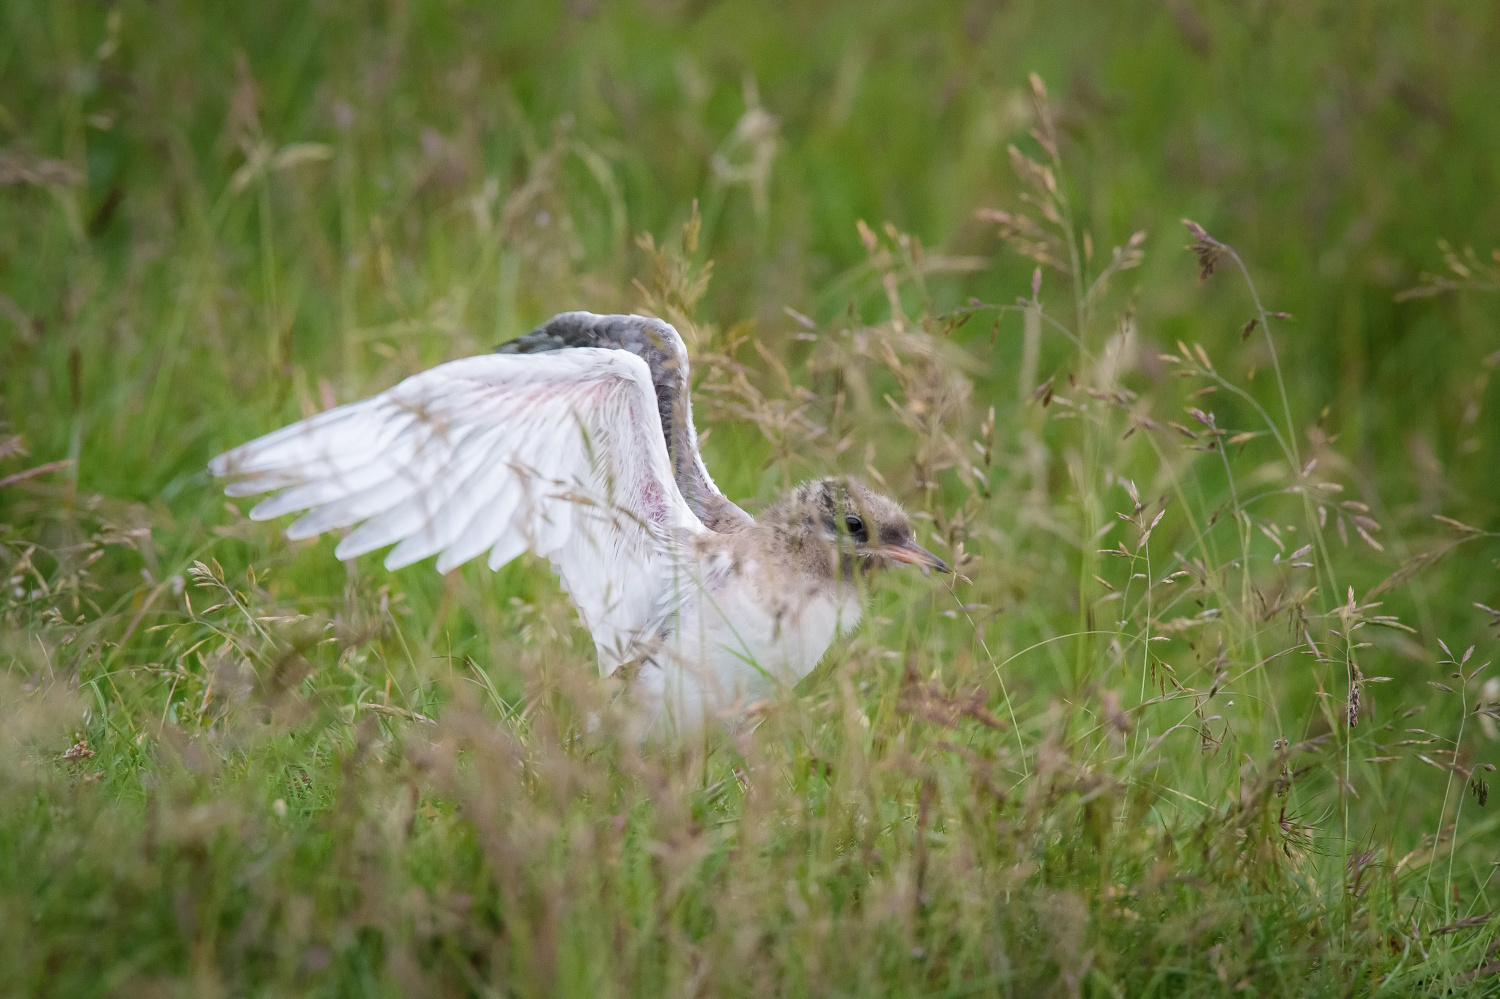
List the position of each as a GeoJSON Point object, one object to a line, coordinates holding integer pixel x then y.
{"type": "Point", "coordinates": [661, 347]}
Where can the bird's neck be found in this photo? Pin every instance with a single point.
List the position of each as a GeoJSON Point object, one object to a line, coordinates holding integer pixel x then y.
{"type": "Point", "coordinates": [801, 551]}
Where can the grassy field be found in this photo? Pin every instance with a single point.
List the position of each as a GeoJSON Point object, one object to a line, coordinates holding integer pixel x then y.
{"type": "Point", "coordinates": [1207, 714]}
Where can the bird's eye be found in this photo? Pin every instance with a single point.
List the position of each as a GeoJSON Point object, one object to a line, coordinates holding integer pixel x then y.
{"type": "Point", "coordinates": [856, 528]}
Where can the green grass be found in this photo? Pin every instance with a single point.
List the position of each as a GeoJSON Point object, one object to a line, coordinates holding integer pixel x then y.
{"type": "Point", "coordinates": [1118, 758]}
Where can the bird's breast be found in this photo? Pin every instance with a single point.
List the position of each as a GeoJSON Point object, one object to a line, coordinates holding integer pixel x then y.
{"type": "Point", "coordinates": [750, 632]}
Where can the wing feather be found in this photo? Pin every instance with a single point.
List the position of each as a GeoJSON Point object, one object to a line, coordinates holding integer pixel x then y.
{"type": "Point", "coordinates": [485, 528]}
{"type": "Point", "coordinates": [660, 345]}
{"type": "Point", "coordinates": [558, 453]}
{"type": "Point", "coordinates": [346, 512]}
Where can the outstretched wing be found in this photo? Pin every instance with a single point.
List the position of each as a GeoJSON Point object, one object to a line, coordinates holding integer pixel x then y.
{"type": "Point", "coordinates": [559, 454]}
{"type": "Point", "coordinates": [660, 346]}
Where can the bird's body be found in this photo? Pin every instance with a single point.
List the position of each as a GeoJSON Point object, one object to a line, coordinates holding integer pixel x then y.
{"type": "Point", "coordinates": [750, 625]}
{"type": "Point", "coordinates": [576, 442]}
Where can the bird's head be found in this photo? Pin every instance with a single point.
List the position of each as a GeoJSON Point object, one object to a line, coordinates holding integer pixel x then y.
{"type": "Point", "coordinates": [844, 527]}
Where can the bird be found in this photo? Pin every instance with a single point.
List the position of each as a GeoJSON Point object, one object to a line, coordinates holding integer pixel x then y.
{"type": "Point", "coordinates": [576, 442]}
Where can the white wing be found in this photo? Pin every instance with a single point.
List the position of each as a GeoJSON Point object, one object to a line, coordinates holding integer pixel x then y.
{"type": "Point", "coordinates": [560, 453]}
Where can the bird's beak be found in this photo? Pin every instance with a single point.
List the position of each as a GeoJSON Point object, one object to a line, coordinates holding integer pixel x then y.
{"type": "Point", "coordinates": [914, 554]}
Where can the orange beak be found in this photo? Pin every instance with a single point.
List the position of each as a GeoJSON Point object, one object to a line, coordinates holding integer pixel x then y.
{"type": "Point", "coordinates": [914, 554]}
